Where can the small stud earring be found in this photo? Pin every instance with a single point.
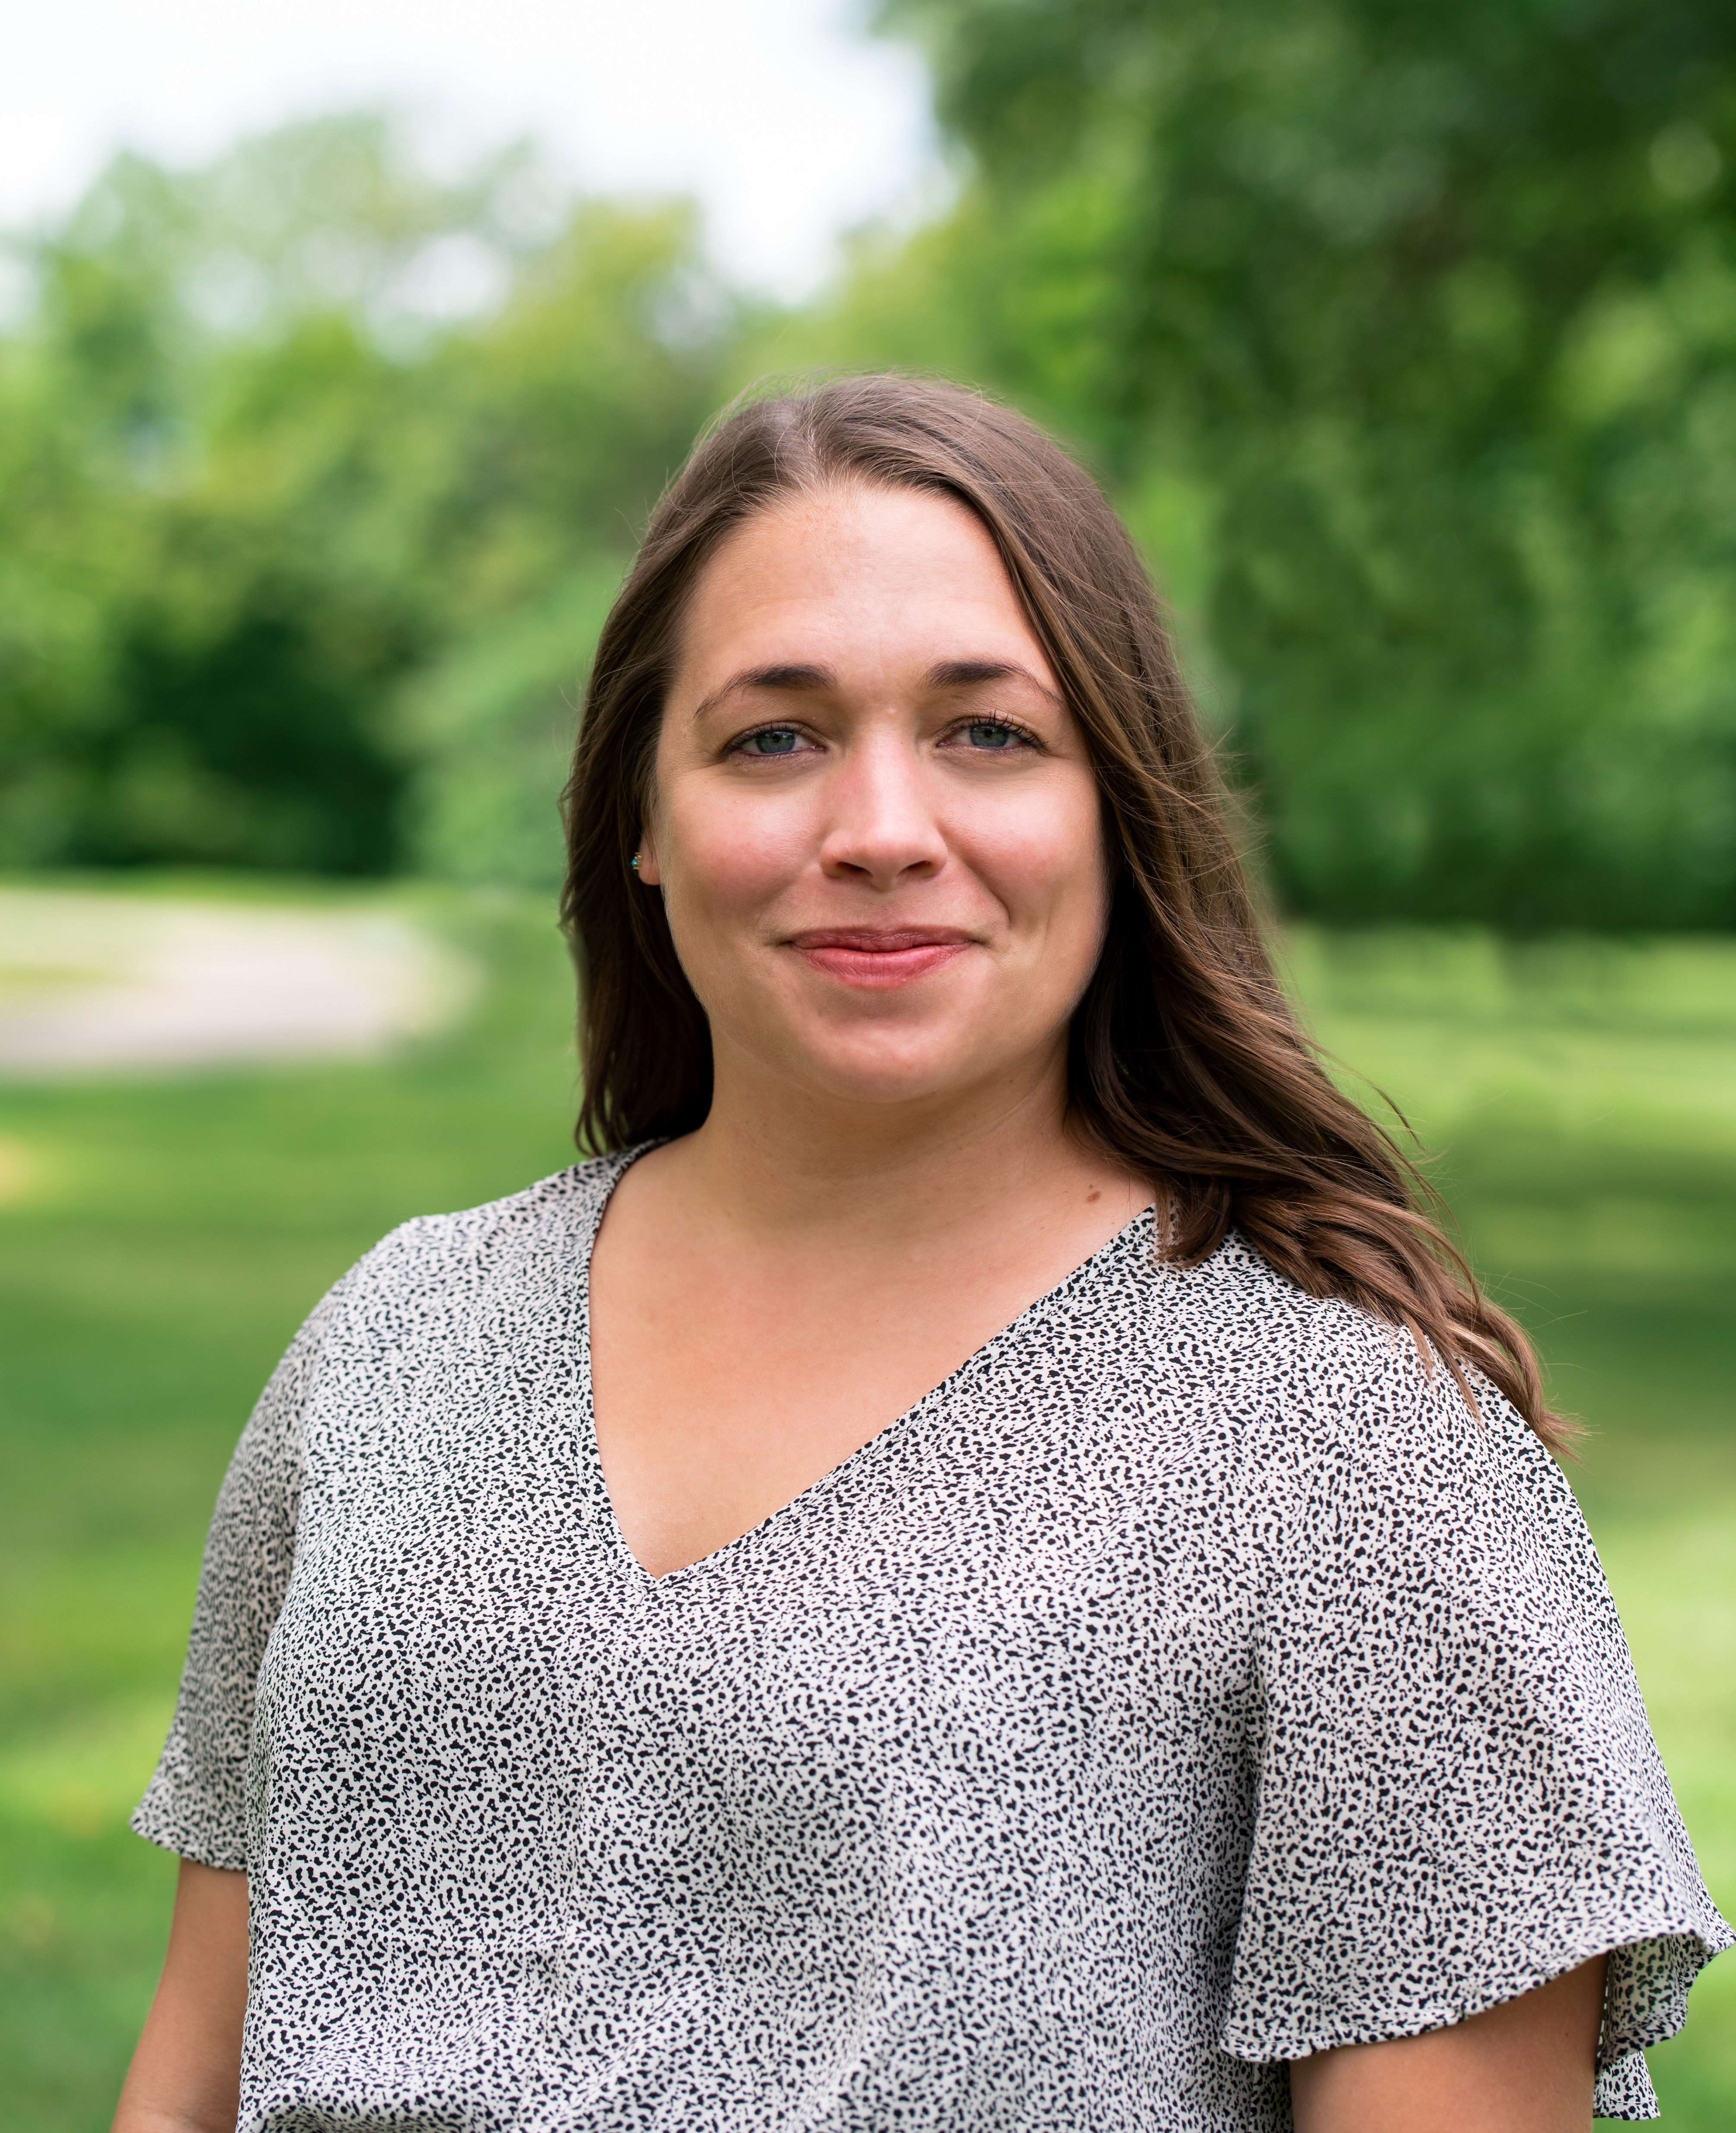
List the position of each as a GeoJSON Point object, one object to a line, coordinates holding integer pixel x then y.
{"type": "Point", "coordinates": [636, 862]}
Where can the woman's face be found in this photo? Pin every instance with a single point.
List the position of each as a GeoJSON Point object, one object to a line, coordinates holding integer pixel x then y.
{"type": "Point", "coordinates": [876, 829]}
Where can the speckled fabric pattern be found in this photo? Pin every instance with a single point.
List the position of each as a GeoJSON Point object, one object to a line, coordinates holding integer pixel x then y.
{"type": "Point", "coordinates": [1191, 1682]}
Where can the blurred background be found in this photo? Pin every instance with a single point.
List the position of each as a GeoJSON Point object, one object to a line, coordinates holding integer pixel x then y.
{"type": "Point", "coordinates": [343, 352]}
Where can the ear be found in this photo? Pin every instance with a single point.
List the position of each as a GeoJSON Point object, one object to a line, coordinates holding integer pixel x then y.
{"type": "Point", "coordinates": [647, 867]}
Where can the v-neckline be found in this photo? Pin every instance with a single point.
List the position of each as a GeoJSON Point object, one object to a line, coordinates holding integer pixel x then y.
{"type": "Point", "coordinates": [591, 1452]}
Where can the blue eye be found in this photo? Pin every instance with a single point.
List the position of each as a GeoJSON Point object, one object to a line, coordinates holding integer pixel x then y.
{"type": "Point", "coordinates": [775, 740]}
{"type": "Point", "coordinates": [987, 733]}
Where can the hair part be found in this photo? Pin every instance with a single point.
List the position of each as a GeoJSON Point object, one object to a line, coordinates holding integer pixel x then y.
{"type": "Point", "coordinates": [1186, 1063]}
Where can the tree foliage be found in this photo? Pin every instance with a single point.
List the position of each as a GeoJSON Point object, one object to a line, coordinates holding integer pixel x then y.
{"type": "Point", "coordinates": [1405, 334]}
{"type": "Point", "coordinates": [285, 447]}
{"type": "Point", "coordinates": [1437, 300]}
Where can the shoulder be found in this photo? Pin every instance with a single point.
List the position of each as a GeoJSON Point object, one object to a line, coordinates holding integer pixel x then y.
{"type": "Point", "coordinates": [433, 1260]}
{"type": "Point", "coordinates": [1330, 1399]}
{"type": "Point", "coordinates": [1385, 1507]}
{"type": "Point", "coordinates": [1291, 1363]}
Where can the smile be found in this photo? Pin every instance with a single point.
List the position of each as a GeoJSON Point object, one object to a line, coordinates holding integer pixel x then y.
{"type": "Point", "coordinates": [856, 956]}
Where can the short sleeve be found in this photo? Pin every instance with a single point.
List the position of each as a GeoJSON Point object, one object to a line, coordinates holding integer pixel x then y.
{"type": "Point", "coordinates": [195, 1802]}
{"type": "Point", "coordinates": [1458, 1794]}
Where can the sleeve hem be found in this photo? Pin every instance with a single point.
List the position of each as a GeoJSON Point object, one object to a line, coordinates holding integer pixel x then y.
{"type": "Point", "coordinates": [1624, 2090]}
{"type": "Point", "coordinates": [170, 1834]}
{"type": "Point", "coordinates": [1418, 2018]}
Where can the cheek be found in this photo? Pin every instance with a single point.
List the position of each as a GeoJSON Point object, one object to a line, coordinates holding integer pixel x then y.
{"type": "Point", "coordinates": [721, 861]}
{"type": "Point", "coordinates": [1042, 856]}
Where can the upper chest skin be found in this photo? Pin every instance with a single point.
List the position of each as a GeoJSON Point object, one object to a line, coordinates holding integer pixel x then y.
{"type": "Point", "coordinates": [725, 1384]}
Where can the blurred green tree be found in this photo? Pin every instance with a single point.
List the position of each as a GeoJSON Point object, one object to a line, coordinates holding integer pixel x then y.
{"type": "Point", "coordinates": [1435, 304]}
{"type": "Point", "coordinates": [1405, 336]}
{"type": "Point", "coordinates": [289, 449]}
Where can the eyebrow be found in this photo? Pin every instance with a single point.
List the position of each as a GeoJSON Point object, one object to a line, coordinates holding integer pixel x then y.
{"type": "Point", "coordinates": [767, 677]}
{"type": "Point", "coordinates": [949, 674]}
{"type": "Point", "coordinates": [971, 673]}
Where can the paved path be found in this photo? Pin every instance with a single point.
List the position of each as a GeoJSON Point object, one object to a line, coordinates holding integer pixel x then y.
{"type": "Point", "coordinates": [93, 983]}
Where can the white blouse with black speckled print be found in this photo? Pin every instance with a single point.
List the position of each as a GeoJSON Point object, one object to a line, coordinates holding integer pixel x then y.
{"type": "Point", "coordinates": [1190, 1683]}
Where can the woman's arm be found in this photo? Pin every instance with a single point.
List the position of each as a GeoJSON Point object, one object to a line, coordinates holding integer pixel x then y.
{"type": "Point", "coordinates": [185, 2076]}
{"type": "Point", "coordinates": [1527, 2065]}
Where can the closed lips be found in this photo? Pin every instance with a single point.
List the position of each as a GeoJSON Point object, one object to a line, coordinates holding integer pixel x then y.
{"type": "Point", "coordinates": [863, 958]}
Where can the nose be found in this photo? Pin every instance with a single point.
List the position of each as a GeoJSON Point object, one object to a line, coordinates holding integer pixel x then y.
{"type": "Point", "coordinates": [882, 829]}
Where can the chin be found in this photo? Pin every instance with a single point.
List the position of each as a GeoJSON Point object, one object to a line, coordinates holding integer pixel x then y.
{"type": "Point", "coordinates": [888, 1075]}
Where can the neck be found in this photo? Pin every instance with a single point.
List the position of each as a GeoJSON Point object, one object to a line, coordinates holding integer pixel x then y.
{"type": "Point", "coordinates": [780, 1162]}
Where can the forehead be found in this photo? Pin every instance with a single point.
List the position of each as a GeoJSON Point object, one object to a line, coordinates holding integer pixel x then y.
{"type": "Point", "coordinates": [851, 567]}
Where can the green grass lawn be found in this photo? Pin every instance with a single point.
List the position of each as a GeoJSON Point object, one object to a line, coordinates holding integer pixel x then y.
{"type": "Point", "coordinates": [159, 1241]}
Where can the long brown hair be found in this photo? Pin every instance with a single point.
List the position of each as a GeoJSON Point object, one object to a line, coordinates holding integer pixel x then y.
{"type": "Point", "coordinates": [1185, 1061]}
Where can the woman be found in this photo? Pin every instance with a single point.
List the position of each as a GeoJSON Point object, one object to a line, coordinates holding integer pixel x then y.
{"type": "Point", "coordinates": [982, 1566]}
